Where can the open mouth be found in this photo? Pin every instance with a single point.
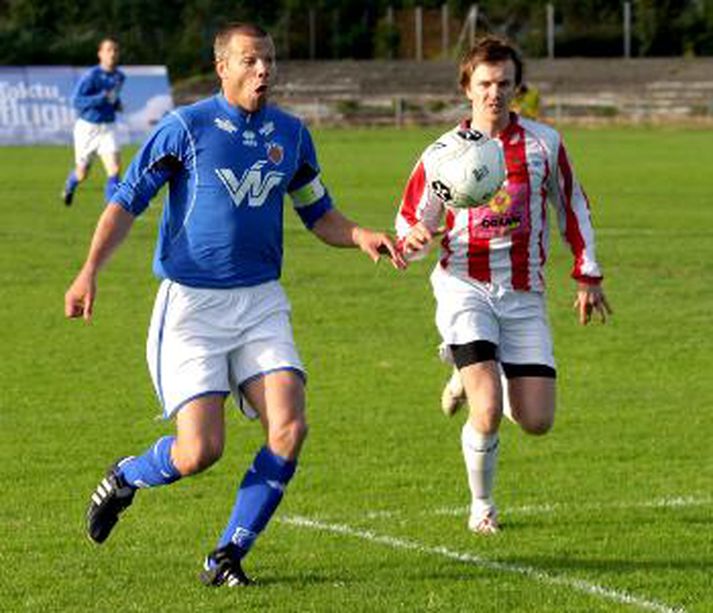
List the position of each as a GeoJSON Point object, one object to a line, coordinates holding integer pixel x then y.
{"type": "Point", "coordinates": [261, 89]}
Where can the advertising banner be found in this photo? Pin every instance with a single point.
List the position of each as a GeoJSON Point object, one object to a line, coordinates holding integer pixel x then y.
{"type": "Point", "coordinates": [36, 103]}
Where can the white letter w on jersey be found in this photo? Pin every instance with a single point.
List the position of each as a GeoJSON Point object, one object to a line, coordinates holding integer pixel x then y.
{"type": "Point", "coordinates": [252, 184]}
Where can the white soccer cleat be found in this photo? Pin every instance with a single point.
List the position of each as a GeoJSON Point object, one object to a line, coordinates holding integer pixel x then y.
{"type": "Point", "coordinates": [485, 523]}
{"type": "Point", "coordinates": [453, 396]}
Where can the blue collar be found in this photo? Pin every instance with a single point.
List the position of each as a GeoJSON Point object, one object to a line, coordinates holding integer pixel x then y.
{"type": "Point", "coordinates": [238, 113]}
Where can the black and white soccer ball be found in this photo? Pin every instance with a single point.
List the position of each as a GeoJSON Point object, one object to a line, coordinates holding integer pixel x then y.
{"type": "Point", "coordinates": [464, 168]}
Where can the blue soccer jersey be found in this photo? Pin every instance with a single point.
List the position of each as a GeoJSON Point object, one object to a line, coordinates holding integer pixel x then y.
{"type": "Point", "coordinates": [227, 172]}
{"type": "Point", "coordinates": [96, 95]}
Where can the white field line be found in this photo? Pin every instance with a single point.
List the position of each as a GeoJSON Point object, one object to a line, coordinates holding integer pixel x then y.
{"type": "Point", "coordinates": [543, 509]}
{"type": "Point", "coordinates": [467, 558]}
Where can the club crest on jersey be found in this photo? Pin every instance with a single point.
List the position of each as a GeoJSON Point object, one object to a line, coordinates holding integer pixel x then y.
{"type": "Point", "coordinates": [225, 125]}
{"type": "Point", "coordinates": [500, 202]}
{"type": "Point", "coordinates": [275, 153]}
{"type": "Point", "coordinates": [253, 184]}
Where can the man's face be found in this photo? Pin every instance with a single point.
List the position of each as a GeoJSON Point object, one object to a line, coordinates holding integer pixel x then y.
{"type": "Point", "coordinates": [246, 70]}
{"type": "Point", "coordinates": [491, 89]}
{"type": "Point", "coordinates": [108, 55]}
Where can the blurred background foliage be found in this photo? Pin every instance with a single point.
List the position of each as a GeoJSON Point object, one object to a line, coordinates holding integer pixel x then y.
{"type": "Point", "coordinates": [179, 32]}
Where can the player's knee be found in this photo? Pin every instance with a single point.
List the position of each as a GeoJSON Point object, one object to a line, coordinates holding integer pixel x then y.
{"type": "Point", "coordinates": [81, 173]}
{"type": "Point", "coordinates": [537, 425]}
{"type": "Point", "coordinates": [486, 418]}
{"type": "Point", "coordinates": [199, 456]}
{"type": "Point", "coordinates": [295, 433]}
{"type": "Point", "coordinates": [287, 438]}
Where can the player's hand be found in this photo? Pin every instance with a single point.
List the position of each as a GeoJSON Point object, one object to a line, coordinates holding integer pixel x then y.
{"type": "Point", "coordinates": [111, 95]}
{"type": "Point", "coordinates": [419, 238]}
{"type": "Point", "coordinates": [376, 244]}
{"type": "Point", "coordinates": [79, 299]}
{"type": "Point", "coordinates": [590, 299]}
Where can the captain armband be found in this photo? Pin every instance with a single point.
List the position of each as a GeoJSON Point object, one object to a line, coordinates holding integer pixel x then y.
{"type": "Point", "coordinates": [310, 193]}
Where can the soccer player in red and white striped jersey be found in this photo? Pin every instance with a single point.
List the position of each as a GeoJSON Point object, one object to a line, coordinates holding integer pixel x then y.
{"type": "Point", "coordinates": [489, 280]}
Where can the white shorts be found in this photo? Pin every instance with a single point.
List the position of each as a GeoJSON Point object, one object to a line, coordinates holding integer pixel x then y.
{"type": "Point", "coordinates": [213, 341]}
{"type": "Point", "coordinates": [515, 321]}
{"type": "Point", "coordinates": [91, 138]}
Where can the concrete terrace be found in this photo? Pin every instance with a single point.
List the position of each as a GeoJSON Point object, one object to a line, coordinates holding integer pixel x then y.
{"type": "Point", "coordinates": [651, 89]}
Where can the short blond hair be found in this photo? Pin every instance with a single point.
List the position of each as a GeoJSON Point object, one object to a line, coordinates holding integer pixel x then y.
{"type": "Point", "coordinates": [226, 33]}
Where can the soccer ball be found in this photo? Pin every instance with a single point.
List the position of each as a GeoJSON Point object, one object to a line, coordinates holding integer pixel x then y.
{"type": "Point", "coordinates": [464, 168]}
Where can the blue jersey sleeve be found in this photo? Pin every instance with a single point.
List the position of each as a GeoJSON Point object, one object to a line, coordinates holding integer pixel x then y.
{"type": "Point", "coordinates": [310, 197]}
{"type": "Point", "coordinates": [85, 96]}
{"type": "Point", "coordinates": [166, 152]}
{"type": "Point", "coordinates": [118, 104]}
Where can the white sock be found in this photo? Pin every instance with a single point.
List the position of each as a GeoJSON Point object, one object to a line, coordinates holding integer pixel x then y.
{"type": "Point", "coordinates": [480, 452]}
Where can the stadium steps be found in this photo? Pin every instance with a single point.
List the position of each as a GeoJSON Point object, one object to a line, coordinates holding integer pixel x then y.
{"type": "Point", "coordinates": [383, 91]}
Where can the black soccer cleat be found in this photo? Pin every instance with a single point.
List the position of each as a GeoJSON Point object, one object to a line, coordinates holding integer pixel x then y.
{"type": "Point", "coordinates": [67, 197]}
{"type": "Point", "coordinates": [111, 497]}
{"type": "Point", "coordinates": [222, 567]}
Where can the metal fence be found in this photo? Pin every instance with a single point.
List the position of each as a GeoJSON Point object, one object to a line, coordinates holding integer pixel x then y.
{"type": "Point", "coordinates": [414, 34]}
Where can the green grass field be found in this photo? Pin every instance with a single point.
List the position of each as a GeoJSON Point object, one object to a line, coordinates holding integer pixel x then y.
{"type": "Point", "coordinates": [611, 511]}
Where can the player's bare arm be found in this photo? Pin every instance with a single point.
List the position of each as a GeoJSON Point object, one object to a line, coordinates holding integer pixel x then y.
{"type": "Point", "coordinates": [591, 299]}
{"type": "Point", "coordinates": [112, 228]}
{"type": "Point", "coordinates": [335, 229]}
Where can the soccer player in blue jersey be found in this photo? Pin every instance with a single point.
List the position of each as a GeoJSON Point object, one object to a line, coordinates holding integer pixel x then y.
{"type": "Point", "coordinates": [96, 99]}
{"type": "Point", "coordinates": [221, 319]}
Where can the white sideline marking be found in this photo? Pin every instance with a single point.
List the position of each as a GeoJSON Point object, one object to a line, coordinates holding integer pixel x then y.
{"type": "Point", "coordinates": [661, 503]}
{"type": "Point", "coordinates": [467, 558]}
{"type": "Point", "coordinates": [540, 509]}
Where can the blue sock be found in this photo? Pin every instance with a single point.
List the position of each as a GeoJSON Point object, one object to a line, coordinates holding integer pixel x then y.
{"type": "Point", "coordinates": [71, 183]}
{"type": "Point", "coordinates": [258, 497]}
{"type": "Point", "coordinates": [155, 467]}
{"type": "Point", "coordinates": [111, 184]}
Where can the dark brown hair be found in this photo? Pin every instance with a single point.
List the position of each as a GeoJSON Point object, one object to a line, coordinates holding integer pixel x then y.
{"type": "Point", "coordinates": [489, 50]}
{"type": "Point", "coordinates": [107, 39]}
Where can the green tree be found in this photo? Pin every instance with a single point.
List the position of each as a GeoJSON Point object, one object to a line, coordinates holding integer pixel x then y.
{"type": "Point", "coordinates": [668, 27]}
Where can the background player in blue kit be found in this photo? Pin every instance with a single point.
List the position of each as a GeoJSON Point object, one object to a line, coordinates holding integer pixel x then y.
{"type": "Point", "coordinates": [96, 99]}
{"type": "Point", "coordinates": [221, 319]}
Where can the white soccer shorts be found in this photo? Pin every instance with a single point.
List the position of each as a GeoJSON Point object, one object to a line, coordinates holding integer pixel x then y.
{"type": "Point", "coordinates": [515, 321]}
{"type": "Point", "coordinates": [212, 341]}
{"type": "Point", "coordinates": [91, 138]}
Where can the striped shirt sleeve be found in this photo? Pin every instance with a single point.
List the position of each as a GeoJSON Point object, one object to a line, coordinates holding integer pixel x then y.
{"type": "Point", "coordinates": [417, 205]}
{"type": "Point", "coordinates": [573, 216]}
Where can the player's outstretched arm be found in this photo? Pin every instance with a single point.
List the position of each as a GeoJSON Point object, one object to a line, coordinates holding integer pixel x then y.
{"type": "Point", "coordinates": [112, 228]}
{"type": "Point", "coordinates": [590, 298]}
{"type": "Point", "coordinates": [336, 230]}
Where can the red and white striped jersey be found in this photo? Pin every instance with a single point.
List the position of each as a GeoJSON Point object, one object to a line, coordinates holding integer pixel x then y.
{"type": "Point", "coordinates": [506, 241]}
